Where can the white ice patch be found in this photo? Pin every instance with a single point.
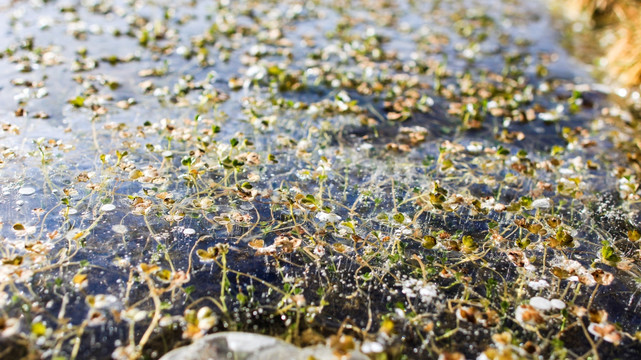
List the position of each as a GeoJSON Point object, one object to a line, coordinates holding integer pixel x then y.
{"type": "Point", "coordinates": [324, 217]}
{"type": "Point", "coordinates": [538, 285]}
{"type": "Point", "coordinates": [540, 303]}
{"type": "Point", "coordinates": [418, 288]}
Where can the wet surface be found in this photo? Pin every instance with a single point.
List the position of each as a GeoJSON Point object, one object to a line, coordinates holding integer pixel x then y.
{"type": "Point", "coordinates": [404, 177]}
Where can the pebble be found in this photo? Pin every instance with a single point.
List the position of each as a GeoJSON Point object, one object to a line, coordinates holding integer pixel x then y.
{"type": "Point", "coordinates": [26, 191]}
{"type": "Point", "coordinates": [542, 203]}
{"type": "Point", "coordinates": [108, 207]}
{"type": "Point", "coordinates": [119, 229]}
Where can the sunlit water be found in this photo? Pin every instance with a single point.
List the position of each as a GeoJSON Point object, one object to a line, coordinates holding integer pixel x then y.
{"type": "Point", "coordinates": [265, 155]}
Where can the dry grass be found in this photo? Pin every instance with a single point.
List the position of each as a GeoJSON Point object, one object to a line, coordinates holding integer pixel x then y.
{"type": "Point", "coordinates": [621, 18]}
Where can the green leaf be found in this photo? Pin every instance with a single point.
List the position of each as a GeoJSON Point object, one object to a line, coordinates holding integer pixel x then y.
{"type": "Point", "coordinates": [367, 276]}
{"type": "Point", "coordinates": [399, 218]}
{"type": "Point", "coordinates": [563, 238]}
{"type": "Point", "coordinates": [502, 151]}
{"type": "Point", "coordinates": [468, 242]}
{"type": "Point", "coordinates": [274, 70]}
{"type": "Point", "coordinates": [143, 39]}
{"type": "Point", "coordinates": [557, 150]}
{"type": "Point", "coordinates": [242, 298]}
{"type": "Point", "coordinates": [526, 201]}
{"type": "Point", "coordinates": [188, 161]}
{"type": "Point", "coordinates": [429, 241]}
{"type": "Point", "coordinates": [608, 253]}
{"type": "Point", "coordinates": [78, 101]}
{"type": "Point", "coordinates": [165, 305]}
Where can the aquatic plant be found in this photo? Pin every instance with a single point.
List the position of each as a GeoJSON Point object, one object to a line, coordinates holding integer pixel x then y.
{"type": "Point", "coordinates": [319, 171]}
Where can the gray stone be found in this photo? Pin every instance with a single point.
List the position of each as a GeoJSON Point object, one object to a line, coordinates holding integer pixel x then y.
{"type": "Point", "coordinates": [247, 346]}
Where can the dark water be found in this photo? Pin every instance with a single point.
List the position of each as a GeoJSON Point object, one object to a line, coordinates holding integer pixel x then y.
{"type": "Point", "coordinates": [497, 113]}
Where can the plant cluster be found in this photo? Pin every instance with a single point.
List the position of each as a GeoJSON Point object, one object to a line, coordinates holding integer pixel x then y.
{"type": "Point", "coordinates": [411, 180]}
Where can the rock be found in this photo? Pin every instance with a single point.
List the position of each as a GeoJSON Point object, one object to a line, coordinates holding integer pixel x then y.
{"type": "Point", "coordinates": [247, 346]}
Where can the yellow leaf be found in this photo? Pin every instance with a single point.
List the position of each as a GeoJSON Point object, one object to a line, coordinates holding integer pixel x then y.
{"type": "Point", "coordinates": [79, 279]}
{"type": "Point", "coordinates": [164, 275]}
{"type": "Point", "coordinates": [146, 268]}
{"type": "Point", "coordinates": [38, 329]}
{"type": "Point", "coordinates": [339, 247]}
{"type": "Point", "coordinates": [256, 244]}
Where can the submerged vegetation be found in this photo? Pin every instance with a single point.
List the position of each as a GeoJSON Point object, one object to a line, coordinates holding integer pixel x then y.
{"type": "Point", "coordinates": [411, 179]}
